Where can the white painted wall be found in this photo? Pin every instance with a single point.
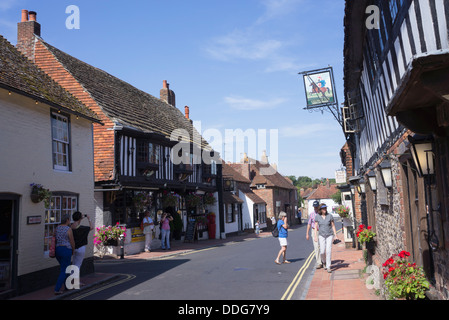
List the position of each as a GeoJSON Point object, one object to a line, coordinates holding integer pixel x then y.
{"type": "Point", "coordinates": [26, 157]}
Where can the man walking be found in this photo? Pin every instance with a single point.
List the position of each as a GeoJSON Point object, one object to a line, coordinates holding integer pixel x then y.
{"type": "Point", "coordinates": [311, 225]}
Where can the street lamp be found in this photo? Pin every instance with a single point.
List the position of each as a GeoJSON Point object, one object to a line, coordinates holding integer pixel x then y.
{"type": "Point", "coordinates": [361, 186]}
{"type": "Point", "coordinates": [387, 175]}
{"type": "Point", "coordinates": [372, 180]}
{"type": "Point", "coordinates": [423, 156]}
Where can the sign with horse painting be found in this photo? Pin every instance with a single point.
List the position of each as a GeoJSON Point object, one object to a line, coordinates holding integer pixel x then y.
{"type": "Point", "coordinates": [319, 87]}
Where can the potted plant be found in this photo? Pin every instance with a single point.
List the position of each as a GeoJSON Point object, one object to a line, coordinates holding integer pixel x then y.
{"type": "Point", "coordinates": [177, 225]}
{"type": "Point", "coordinates": [109, 236]}
{"type": "Point", "coordinates": [404, 280]}
{"type": "Point", "coordinates": [39, 193]}
{"type": "Point", "coordinates": [366, 237]}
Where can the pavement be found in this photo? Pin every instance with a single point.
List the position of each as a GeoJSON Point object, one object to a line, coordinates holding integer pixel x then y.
{"type": "Point", "coordinates": [346, 282]}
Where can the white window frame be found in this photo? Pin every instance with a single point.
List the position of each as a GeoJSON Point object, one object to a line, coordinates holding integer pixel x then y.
{"type": "Point", "coordinates": [60, 204]}
{"type": "Point", "coordinates": [60, 135]}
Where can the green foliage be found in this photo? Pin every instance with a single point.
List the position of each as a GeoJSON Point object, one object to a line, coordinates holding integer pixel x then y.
{"type": "Point", "coordinates": [404, 279]}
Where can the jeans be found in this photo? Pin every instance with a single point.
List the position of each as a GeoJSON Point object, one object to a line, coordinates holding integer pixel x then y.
{"type": "Point", "coordinates": [64, 257]}
{"type": "Point", "coordinates": [326, 249]}
{"type": "Point", "coordinates": [165, 239]}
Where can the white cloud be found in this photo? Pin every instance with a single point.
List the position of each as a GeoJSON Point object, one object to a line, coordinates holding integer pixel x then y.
{"type": "Point", "coordinates": [242, 45]}
{"type": "Point", "coordinates": [247, 104]}
{"type": "Point", "coordinates": [303, 131]}
{"type": "Point", "coordinates": [254, 42]}
{"type": "Point", "coordinates": [277, 8]}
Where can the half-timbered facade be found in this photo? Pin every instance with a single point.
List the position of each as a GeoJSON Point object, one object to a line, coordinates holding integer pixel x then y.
{"type": "Point", "coordinates": [396, 79]}
{"type": "Point", "coordinates": [146, 149]}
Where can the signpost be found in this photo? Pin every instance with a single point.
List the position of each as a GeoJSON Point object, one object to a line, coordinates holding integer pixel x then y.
{"type": "Point", "coordinates": [320, 90]}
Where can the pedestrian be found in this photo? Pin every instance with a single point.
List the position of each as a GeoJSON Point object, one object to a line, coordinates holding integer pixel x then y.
{"type": "Point", "coordinates": [311, 225]}
{"type": "Point", "coordinates": [165, 231]}
{"type": "Point", "coordinates": [257, 227]}
{"type": "Point", "coordinates": [80, 235]}
{"type": "Point", "coordinates": [282, 226]}
{"type": "Point", "coordinates": [326, 226]}
{"type": "Point", "coordinates": [148, 226]}
{"type": "Point", "coordinates": [299, 215]}
{"type": "Point", "coordinates": [65, 247]}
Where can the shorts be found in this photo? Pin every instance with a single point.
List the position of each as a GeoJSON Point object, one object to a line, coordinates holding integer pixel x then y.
{"type": "Point", "coordinates": [283, 242]}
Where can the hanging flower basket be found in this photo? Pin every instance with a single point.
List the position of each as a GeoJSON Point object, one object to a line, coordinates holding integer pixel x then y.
{"type": "Point", "coordinates": [170, 199]}
{"type": "Point", "coordinates": [39, 193]}
{"type": "Point", "coordinates": [142, 200]}
{"type": "Point", "coordinates": [343, 211]}
{"type": "Point", "coordinates": [209, 199]}
{"type": "Point", "coordinates": [192, 200]}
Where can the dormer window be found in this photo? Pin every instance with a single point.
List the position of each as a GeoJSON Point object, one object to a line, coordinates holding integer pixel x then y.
{"type": "Point", "coordinates": [260, 186]}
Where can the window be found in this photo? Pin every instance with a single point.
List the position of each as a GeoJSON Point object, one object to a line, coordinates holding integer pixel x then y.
{"type": "Point", "coordinates": [61, 141]}
{"type": "Point", "coordinates": [148, 152]}
{"type": "Point", "coordinates": [59, 205]}
{"type": "Point", "coordinates": [261, 186]}
{"type": "Point", "coordinates": [229, 213]}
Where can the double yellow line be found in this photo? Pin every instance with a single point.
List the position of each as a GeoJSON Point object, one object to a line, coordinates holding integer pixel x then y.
{"type": "Point", "coordinates": [292, 287]}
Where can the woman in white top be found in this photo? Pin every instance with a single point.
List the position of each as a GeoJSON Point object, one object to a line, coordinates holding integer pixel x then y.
{"type": "Point", "coordinates": [148, 226]}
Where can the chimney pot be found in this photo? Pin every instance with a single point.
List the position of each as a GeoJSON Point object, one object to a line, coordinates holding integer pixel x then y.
{"type": "Point", "coordinates": [165, 84]}
{"type": "Point", "coordinates": [187, 112]}
{"type": "Point", "coordinates": [24, 15]}
{"type": "Point", "coordinates": [32, 15]}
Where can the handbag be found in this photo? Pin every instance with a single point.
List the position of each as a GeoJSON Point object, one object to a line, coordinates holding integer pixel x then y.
{"type": "Point", "coordinates": [275, 232]}
{"type": "Point", "coordinates": [52, 251]}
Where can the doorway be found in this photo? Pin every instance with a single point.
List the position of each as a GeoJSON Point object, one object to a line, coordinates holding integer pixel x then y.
{"type": "Point", "coordinates": [8, 210]}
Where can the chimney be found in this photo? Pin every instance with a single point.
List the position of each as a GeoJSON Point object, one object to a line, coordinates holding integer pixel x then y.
{"type": "Point", "coordinates": [187, 112]}
{"type": "Point", "coordinates": [27, 29]}
{"type": "Point", "coordinates": [167, 95]}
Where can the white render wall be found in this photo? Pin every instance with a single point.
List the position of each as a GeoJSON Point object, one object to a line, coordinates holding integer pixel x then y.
{"type": "Point", "coordinates": [26, 157]}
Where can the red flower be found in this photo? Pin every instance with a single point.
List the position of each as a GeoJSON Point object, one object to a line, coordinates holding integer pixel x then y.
{"type": "Point", "coordinates": [369, 228]}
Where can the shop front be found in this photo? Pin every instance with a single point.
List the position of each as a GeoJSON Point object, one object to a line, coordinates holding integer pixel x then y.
{"type": "Point", "coordinates": [126, 207]}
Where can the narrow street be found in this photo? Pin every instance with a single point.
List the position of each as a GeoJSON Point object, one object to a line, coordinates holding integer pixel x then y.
{"type": "Point", "coordinates": [243, 270]}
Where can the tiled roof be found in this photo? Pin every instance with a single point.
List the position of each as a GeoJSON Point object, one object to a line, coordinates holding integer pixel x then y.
{"type": "Point", "coordinates": [230, 173]}
{"type": "Point", "coordinates": [273, 180]}
{"type": "Point", "coordinates": [230, 198]}
{"type": "Point", "coordinates": [250, 194]}
{"type": "Point", "coordinates": [125, 104]}
{"type": "Point", "coordinates": [323, 192]}
{"type": "Point", "coordinates": [19, 74]}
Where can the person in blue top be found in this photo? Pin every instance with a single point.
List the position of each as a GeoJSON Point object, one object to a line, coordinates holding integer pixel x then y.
{"type": "Point", "coordinates": [282, 226]}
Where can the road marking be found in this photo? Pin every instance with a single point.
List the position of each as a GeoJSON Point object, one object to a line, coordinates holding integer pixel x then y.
{"type": "Point", "coordinates": [292, 287]}
{"type": "Point", "coordinates": [89, 293]}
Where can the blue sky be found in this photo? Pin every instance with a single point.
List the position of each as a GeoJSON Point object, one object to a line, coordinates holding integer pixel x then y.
{"type": "Point", "coordinates": [234, 63]}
